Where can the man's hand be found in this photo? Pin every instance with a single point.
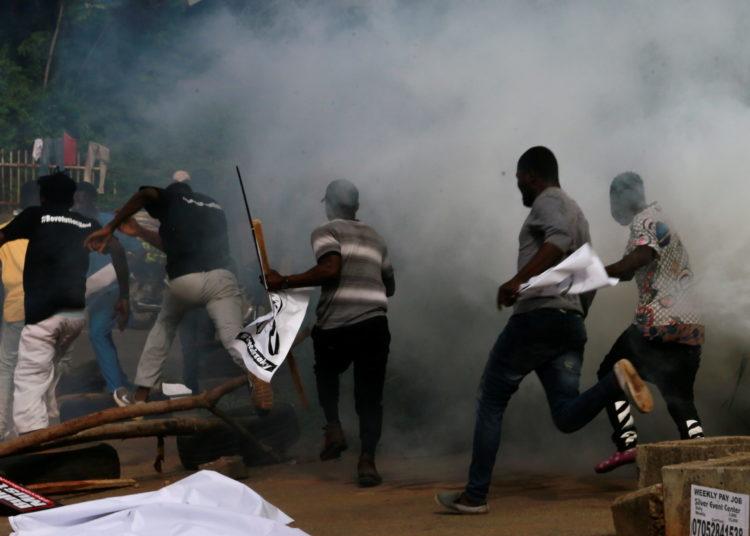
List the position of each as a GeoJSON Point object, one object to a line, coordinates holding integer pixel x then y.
{"type": "Point", "coordinates": [99, 240]}
{"type": "Point", "coordinates": [507, 293]}
{"type": "Point", "coordinates": [274, 280]}
{"type": "Point", "coordinates": [121, 311]}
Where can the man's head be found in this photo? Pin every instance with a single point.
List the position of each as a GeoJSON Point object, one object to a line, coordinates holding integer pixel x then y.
{"type": "Point", "coordinates": [57, 189]}
{"type": "Point", "coordinates": [536, 171]}
{"type": "Point", "coordinates": [341, 199]}
{"type": "Point", "coordinates": [626, 197]}
{"type": "Point", "coordinates": [180, 176]}
{"type": "Point", "coordinates": [180, 188]}
{"type": "Point", "coordinates": [85, 198]}
{"type": "Point", "coordinates": [29, 194]}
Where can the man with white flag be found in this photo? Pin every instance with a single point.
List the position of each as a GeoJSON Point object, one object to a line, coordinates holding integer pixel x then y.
{"type": "Point", "coordinates": [545, 334]}
{"type": "Point", "coordinates": [356, 277]}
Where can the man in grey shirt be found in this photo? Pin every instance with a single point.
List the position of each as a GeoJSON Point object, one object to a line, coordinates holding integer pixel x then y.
{"type": "Point", "coordinates": [545, 335]}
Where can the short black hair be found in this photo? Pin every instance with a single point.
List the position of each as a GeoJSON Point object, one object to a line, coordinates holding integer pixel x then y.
{"type": "Point", "coordinates": [57, 189]}
{"type": "Point", "coordinates": [29, 194]}
{"type": "Point", "coordinates": [87, 189]}
{"type": "Point", "coordinates": [541, 162]}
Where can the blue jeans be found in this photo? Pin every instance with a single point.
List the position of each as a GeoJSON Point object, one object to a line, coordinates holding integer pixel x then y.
{"type": "Point", "coordinates": [549, 342]}
{"type": "Point", "coordinates": [101, 324]}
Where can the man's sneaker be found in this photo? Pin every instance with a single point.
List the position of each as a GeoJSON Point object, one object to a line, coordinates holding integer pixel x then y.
{"type": "Point", "coordinates": [334, 443]}
{"type": "Point", "coordinates": [457, 501]}
{"type": "Point", "coordinates": [123, 397]}
{"type": "Point", "coordinates": [632, 384]}
{"type": "Point", "coordinates": [367, 473]}
{"type": "Point", "coordinates": [616, 460]}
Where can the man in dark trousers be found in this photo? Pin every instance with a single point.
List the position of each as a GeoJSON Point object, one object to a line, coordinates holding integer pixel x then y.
{"type": "Point", "coordinates": [545, 334]}
{"type": "Point", "coordinates": [193, 234]}
{"type": "Point", "coordinates": [356, 277]}
{"type": "Point", "coordinates": [664, 341]}
{"type": "Point", "coordinates": [54, 284]}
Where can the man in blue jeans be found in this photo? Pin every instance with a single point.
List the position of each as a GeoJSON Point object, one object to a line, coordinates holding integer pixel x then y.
{"type": "Point", "coordinates": [545, 334]}
{"type": "Point", "coordinates": [104, 294]}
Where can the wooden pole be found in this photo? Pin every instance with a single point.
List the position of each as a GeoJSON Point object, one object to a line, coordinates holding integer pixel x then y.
{"type": "Point", "coordinates": [265, 266]}
{"type": "Point", "coordinates": [53, 43]}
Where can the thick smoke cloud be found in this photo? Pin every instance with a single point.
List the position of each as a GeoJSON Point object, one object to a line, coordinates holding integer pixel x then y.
{"type": "Point", "coordinates": [426, 106]}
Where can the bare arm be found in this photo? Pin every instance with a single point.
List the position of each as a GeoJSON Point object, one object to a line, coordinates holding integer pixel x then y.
{"type": "Point", "coordinates": [327, 270]}
{"type": "Point", "coordinates": [99, 239]}
{"type": "Point", "coordinates": [547, 256]}
{"type": "Point", "coordinates": [133, 228]}
{"type": "Point", "coordinates": [120, 263]}
{"type": "Point", "coordinates": [626, 267]}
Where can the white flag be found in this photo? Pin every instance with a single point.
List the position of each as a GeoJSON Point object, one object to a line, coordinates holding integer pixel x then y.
{"type": "Point", "coordinates": [582, 271]}
{"type": "Point", "coordinates": [265, 343]}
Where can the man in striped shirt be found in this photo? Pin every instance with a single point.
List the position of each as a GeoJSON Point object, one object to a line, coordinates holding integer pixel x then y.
{"type": "Point", "coordinates": [356, 279]}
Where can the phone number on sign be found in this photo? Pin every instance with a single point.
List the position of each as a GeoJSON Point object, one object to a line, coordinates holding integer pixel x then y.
{"type": "Point", "coordinates": [711, 528]}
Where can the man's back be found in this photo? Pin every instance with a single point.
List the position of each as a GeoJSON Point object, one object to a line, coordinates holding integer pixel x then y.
{"type": "Point", "coordinates": [193, 231]}
{"type": "Point", "coordinates": [360, 291]}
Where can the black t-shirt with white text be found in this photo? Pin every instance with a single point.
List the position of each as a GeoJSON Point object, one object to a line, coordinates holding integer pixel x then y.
{"type": "Point", "coordinates": [54, 273]}
{"type": "Point", "coordinates": [193, 231]}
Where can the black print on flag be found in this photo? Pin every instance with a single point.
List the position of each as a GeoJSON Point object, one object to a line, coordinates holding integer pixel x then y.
{"type": "Point", "coordinates": [265, 343]}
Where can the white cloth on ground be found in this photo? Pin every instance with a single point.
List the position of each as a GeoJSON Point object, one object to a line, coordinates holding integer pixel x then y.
{"type": "Point", "coordinates": [203, 504]}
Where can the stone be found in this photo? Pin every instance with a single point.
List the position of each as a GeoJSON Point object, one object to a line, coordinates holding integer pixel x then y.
{"type": "Point", "coordinates": [231, 466]}
{"type": "Point", "coordinates": [640, 513]}
{"type": "Point", "coordinates": [731, 473]}
{"type": "Point", "coordinates": [651, 457]}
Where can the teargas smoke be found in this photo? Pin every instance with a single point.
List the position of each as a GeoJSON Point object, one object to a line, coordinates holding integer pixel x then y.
{"type": "Point", "coordinates": [426, 106]}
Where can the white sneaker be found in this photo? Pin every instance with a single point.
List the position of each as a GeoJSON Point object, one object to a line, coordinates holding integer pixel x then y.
{"type": "Point", "coordinates": [123, 397]}
{"type": "Point", "coordinates": [451, 500]}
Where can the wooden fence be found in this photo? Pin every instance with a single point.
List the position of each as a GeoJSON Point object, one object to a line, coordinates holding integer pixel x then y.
{"type": "Point", "coordinates": [18, 167]}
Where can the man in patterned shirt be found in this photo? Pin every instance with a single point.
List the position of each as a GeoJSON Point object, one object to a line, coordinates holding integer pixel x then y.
{"type": "Point", "coordinates": [356, 277]}
{"type": "Point", "coordinates": [664, 341]}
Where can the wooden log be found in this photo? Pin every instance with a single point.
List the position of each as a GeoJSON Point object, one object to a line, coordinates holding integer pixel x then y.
{"type": "Point", "coordinates": [69, 486]}
{"type": "Point", "coordinates": [206, 400]}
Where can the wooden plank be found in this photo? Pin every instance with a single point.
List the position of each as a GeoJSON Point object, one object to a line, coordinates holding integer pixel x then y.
{"type": "Point", "coordinates": [69, 486]}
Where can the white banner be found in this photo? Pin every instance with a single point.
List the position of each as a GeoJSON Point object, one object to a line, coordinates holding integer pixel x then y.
{"type": "Point", "coordinates": [582, 271]}
{"type": "Point", "coordinates": [265, 343]}
{"type": "Point", "coordinates": [716, 511]}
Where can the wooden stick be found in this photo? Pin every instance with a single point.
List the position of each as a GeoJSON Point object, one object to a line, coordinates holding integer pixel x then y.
{"type": "Point", "coordinates": [205, 400]}
{"type": "Point", "coordinates": [258, 226]}
{"type": "Point", "coordinates": [68, 486]}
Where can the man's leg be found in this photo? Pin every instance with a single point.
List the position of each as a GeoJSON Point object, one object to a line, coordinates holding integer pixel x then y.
{"type": "Point", "coordinates": [68, 331]}
{"type": "Point", "coordinates": [11, 336]}
{"type": "Point", "coordinates": [196, 331]}
{"type": "Point", "coordinates": [34, 374]}
{"type": "Point", "coordinates": [175, 303]}
{"type": "Point", "coordinates": [101, 323]}
{"type": "Point", "coordinates": [675, 379]}
{"type": "Point", "coordinates": [370, 358]}
{"type": "Point", "coordinates": [332, 357]}
{"type": "Point", "coordinates": [222, 298]}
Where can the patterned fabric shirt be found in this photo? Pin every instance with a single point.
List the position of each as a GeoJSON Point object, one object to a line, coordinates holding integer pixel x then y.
{"type": "Point", "coordinates": [359, 294]}
{"type": "Point", "coordinates": [664, 312]}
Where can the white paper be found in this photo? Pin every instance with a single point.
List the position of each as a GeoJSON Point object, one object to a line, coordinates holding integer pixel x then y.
{"type": "Point", "coordinates": [716, 511]}
{"type": "Point", "coordinates": [265, 343]}
{"type": "Point", "coordinates": [175, 389]}
{"type": "Point", "coordinates": [582, 271]}
{"type": "Point", "coordinates": [203, 504]}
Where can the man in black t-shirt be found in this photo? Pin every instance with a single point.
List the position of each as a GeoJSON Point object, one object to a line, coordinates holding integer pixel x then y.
{"type": "Point", "coordinates": [193, 234]}
{"type": "Point", "coordinates": [54, 283]}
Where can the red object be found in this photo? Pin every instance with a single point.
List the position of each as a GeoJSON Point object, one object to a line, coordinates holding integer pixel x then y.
{"type": "Point", "coordinates": [615, 461]}
{"type": "Point", "coordinates": [70, 150]}
{"type": "Point", "coordinates": [21, 499]}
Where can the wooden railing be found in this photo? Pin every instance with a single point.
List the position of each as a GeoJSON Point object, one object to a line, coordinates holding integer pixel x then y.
{"type": "Point", "coordinates": [17, 168]}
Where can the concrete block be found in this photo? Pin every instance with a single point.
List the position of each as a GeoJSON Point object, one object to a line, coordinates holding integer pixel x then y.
{"type": "Point", "coordinates": [731, 473]}
{"type": "Point", "coordinates": [640, 513]}
{"type": "Point", "coordinates": [231, 466]}
{"type": "Point", "coordinates": [651, 457]}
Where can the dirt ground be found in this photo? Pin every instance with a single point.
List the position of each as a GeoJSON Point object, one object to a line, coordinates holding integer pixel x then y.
{"type": "Point", "coordinates": [325, 501]}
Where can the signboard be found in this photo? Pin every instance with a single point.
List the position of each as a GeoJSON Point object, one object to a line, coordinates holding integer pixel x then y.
{"type": "Point", "coordinates": [716, 512]}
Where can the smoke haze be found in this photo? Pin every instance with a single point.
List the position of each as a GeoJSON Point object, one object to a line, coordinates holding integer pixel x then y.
{"type": "Point", "coordinates": [427, 106]}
